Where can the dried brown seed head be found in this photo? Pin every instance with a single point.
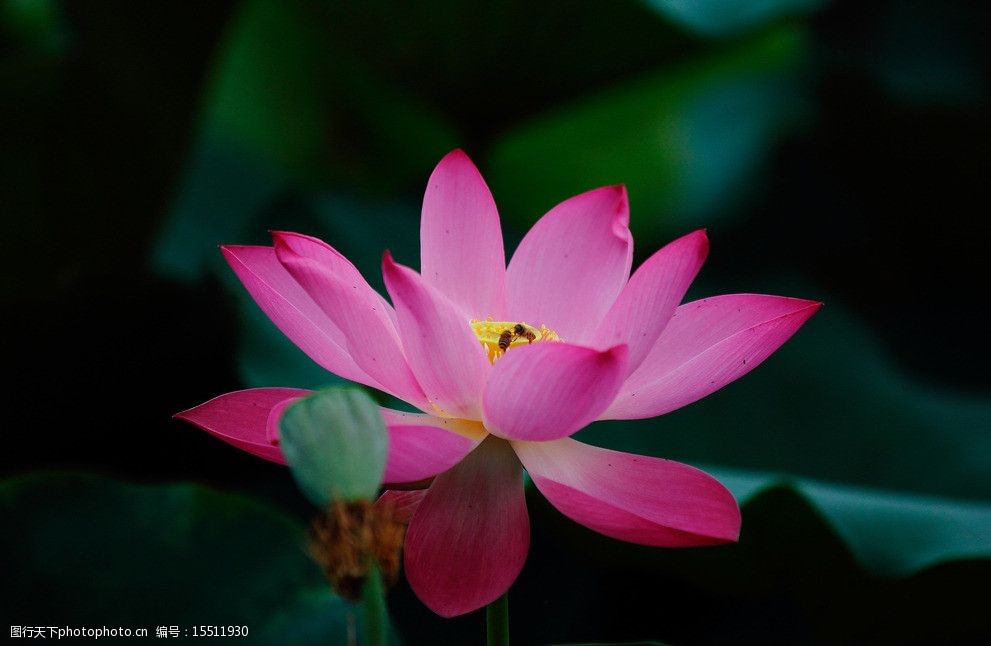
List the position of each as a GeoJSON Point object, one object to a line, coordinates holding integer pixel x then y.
{"type": "Point", "coordinates": [345, 538]}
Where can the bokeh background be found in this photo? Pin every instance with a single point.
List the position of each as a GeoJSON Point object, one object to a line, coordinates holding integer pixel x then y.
{"type": "Point", "coordinates": [834, 150]}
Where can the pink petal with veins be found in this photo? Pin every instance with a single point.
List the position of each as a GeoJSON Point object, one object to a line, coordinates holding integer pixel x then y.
{"type": "Point", "coordinates": [293, 311]}
{"type": "Point", "coordinates": [404, 502]}
{"type": "Point", "coordinates": [708, 344]}
{"type": "Point", "coordinates": [549, 390]}
{"type": "Point", "coordinates": [468, 539]}
{"type": "Point", "coordinates": [461, 251]}
{"type": "Point", "coordinates": [571, 266]}
{"type": "Point", "coordinates": [443, 352]}
{"type": "Point", "coordinates": [244, 418]}
{"type": "Point", "coordinates": [648, 301]}
{"type": "Point", "coordinates": [366, 320]}
{"type": "Point", "coordinates": [421, 446]}
{"type": "Point", "coordinates": [632, 497]}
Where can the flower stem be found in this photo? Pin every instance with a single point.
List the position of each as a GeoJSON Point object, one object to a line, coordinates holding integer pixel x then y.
{"type": "Point", "coordinates": [497, 621]}
{"type": "Point", "coordinates": [376, 615]}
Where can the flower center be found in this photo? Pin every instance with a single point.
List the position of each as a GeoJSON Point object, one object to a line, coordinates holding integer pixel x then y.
{"type": "Point", "coordinates": [497, 337]}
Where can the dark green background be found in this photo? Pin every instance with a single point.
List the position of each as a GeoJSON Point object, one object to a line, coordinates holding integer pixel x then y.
{"type": "Point", "coordinates": [834, 150]}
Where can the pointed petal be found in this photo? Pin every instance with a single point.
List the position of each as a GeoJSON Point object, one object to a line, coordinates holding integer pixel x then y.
{"type": "Point", "coordinates": [571, 266]}
{"type": "Point", "coordinates": [708, 344]}
{"type": "Point", "coordinates": [404, 503]}
{"type": "Point", "coordinates": [292, 310]}
{"type": "Point", "coordinates": [461, 251]}
{"type": "Point", "coordinates": [549, 390]}
{"type": "Point", "coordinates": [421, 446]}
{"type": "Point", "coordinates": [248, 419]}
{"type": "Point", "coordinates": [443, 352]}
{"type": "Point", "coordinates": [632, 497]}
{"type": "Point", "coordinates": [363, 316]}
{"type": "Point", "coordinates": [647, 302]}
{"type": "Point", "coordinates": [469, 537]}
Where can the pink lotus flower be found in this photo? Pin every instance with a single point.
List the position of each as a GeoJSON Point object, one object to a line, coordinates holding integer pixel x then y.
{"type": "Point", "coordinates": [593, 343]}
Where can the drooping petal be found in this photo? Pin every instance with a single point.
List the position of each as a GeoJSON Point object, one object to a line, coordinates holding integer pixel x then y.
{"type": "Point", "coordinates": [461, 251]}
{"type": "Point", "coordinates": [469, 537]}
{"type": "Point", "coordinates": [443, 352]}
{"type": "Point", "coordinates": [632, 497]}
{"type": "Point", "coordinates": [245, 418]}
{"type": "Point", "coordinates": [571, 266]}
{"type": "Point", "coordinates": [404, 502]}
{"type": "Point", "coordinates": [549, 390]}
{"type": "Point", "coordinates": [366, 320]}
{"type": "Point", "coordinates": [648, 300]}
{"type": "Point", "coordinates": [707, 344]}
{"type": "Point", "coordinates": [292, 310]}
{"type": "Point", "coordinates": [421, 446]}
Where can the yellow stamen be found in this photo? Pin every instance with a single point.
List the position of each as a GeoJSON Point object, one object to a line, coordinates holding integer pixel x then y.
{"type": "Point", "coordinates": [497, 335]}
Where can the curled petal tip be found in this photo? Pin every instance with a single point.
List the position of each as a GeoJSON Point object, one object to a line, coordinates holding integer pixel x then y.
{"type": "Point", "coordinates": [621, 217]}
{"type": "Point", "coordinates": [620, 209]}
{"type": "Point", "coordinates": [622, 197]}
{"type": "Point", "coordinates": [616, 192]}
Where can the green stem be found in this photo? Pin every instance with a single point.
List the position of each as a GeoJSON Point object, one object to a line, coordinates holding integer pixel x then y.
{"type": "Point", "coordinates": [376, 615]}
{"type": "Point", "coordinates": [497, 621]}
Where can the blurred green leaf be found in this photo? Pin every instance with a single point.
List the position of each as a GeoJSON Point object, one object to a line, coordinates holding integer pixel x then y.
{"type": "Point", "coordinates": [288, 107]}
{"type": "Point", "coordinates": [726, 17]}
{"type": "Point", "coordinates": [37, 24]}
{"type": "Point", "coordinates": [486, 65]}
{"type": "Point", "coordinates": [335, 443]}
{"type": "Point", "coordinates": [264, 91]}
{"type": "Point", "coordinates": [894, 534]}
{"type": "Point", "coordinates": [89, 550]}
{"type": "Point", "coordinates": [221, 196]}
{"type": "Point", "coordinates": [684, 141]}
{"type": "Point", "coordinates": [283, 87]}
